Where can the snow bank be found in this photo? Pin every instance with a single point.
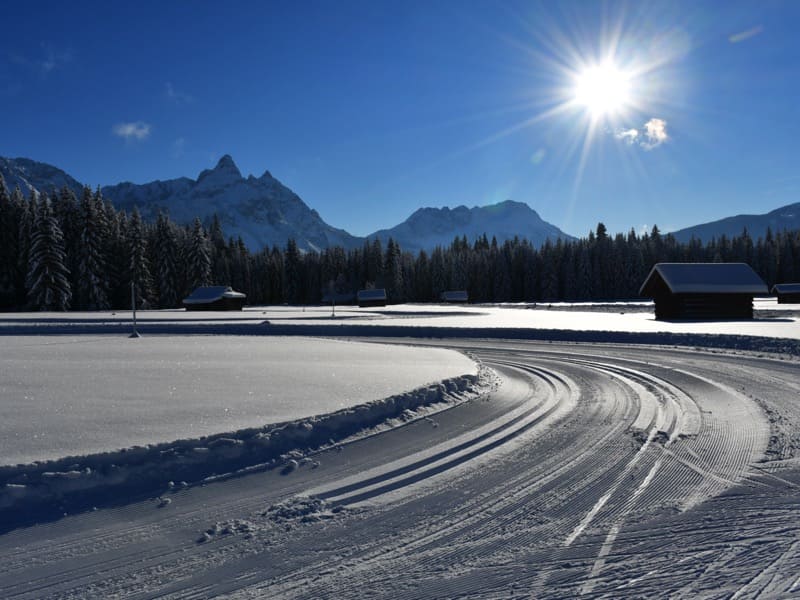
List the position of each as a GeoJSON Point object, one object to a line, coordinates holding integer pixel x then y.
{"type": "Point", "coordinates": [47, 489]}
{"type": "Point", "coordinates": [78, 395]}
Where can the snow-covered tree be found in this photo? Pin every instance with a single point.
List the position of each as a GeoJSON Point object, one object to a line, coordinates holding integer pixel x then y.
{"type": "Point", "coordinates": [48, 283]}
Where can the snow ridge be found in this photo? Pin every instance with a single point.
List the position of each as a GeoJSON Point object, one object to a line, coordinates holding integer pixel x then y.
{"type": "Point", "coordinates": [48, 489]}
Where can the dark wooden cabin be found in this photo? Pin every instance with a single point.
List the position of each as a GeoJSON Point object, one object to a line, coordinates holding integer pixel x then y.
{"type": "Point", "coordinates": [787, 293]}
{"type": "Point", "coordinates": [703, 291]}
{"type": "Point", "coordinates": [455, 297]}
{"type": "Point", "coordinates": [367, 298]}
{"type": "Point", "coordinates": [214, 297]}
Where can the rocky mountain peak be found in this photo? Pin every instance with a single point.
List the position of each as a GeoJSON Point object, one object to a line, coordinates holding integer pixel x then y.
{"type": "Point", "coordinates": [224, 173]}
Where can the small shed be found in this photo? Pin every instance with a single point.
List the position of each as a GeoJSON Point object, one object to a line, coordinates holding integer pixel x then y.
{"type": "Point", "coordinates": [455, 296]}
{"type": "Point", "coordinates": [214, 297]}
{"type": "Point", "coordinates": [376, 297]}
{"type": "Point", "coordinates": [787, 293]}
{"type": "Point", "coordinates": [703, 290]}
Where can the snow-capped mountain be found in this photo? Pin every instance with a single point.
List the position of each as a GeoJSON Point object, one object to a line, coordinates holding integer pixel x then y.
{"type": "Point", "coordinates": [262, 210]}
{"type": "Point", "coordinates": [431, 227]}
{"type": "Point", "coordinates": [31, 175]}
{"type": "Point", "coordinates": [785, 217]}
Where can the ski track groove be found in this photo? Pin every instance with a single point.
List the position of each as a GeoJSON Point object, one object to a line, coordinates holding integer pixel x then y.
{"type": "Point", "coordinates": [515, 495]}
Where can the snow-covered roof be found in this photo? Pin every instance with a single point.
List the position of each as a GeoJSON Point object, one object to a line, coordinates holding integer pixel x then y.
{"type": "Point", "coordinates": [706, 278]}
{"type": "Point", "coordinates": [786, 288]}
{"type": "Point", "coordinates": [376, 294]}
{"type": "Point", "coordinates": [211, 293]}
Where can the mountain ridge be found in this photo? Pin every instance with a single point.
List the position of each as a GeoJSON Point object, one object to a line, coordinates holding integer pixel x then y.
{"type": "Point", "coordinates": [429, 227]}
{"type": "Point", "coordinates": [264, 212]}
{"type": "Point", "coordinates": [779, 219]}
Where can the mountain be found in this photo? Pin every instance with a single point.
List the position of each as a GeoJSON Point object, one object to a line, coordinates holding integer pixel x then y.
{"type": "Point", "coordinates": [786, 217]}
{"type": "Point", "coordinates": [431, 227]}
{"type": "Point", "coordinates": [263, 211]}
{"type": "Point", "coordinates": [31, 175]}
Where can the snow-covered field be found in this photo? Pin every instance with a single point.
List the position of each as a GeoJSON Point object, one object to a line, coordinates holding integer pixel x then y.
{"type": "Point", "coordinates": [578, 469]}
{"type": "Point", "coordinates": [772, 319]}
{"type": "Point", "coordinates": [66, 395]}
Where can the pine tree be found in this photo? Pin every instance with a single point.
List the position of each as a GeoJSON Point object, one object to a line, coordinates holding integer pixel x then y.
{"type": "Point", "coordinates": [48, 281]}
{"type": "Point", "coordinates": [9, 247]}
{"type": "Point", "coordinates": [165, 252]}
{"type": "Point", "coordinates": [139, 268]}
{"type": "Point", "coordinates": [68, 214]}
{"type": "Point", "coordinates": [393, 273]}
{"type": "Point", "coordinates": [291, 277]}
{"type": "Point", "coordinates": [92, 292]}
{"type": "Point", "coordinates": [27, 215]}
{"type": "Point", "coordinates": [199, 257]}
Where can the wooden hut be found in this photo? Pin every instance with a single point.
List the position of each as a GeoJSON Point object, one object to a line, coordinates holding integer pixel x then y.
{"type": "Point", "coordinates": [455, 297]}
{"type": "Point", "coordinates": [214, 297]}
{"type": "Point", "coordinates": [703, 290]}
{"type": "Point", "coordinates": [787, 293]}
{"type": "Point", "coordinates": [368, 298]}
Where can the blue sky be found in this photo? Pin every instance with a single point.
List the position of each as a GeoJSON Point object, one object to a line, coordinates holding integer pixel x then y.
{"type": "Point", "coordinates": [370, 110]}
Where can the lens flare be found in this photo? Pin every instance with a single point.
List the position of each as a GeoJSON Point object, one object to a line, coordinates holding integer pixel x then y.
{"type": "Point", "coordinates": [604, 90]}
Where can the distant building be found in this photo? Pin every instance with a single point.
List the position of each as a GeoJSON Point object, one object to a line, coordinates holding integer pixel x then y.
{"type": "Point", "coordinates": [215, 297]}
{"type": "Point", "coordinates": [703, 290]}
{"type": "Point", "coordinates": [454, 296]}
{"type": "Point", "coordinates": [375, 297]}
{"type": "Point", "coordinates": [787, 293]}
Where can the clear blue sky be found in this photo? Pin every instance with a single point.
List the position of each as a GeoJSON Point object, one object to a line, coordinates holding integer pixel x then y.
{"type": "Point", "coordinates": [370, 110]}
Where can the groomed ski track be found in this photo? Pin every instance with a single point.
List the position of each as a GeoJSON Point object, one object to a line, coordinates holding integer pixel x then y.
{"type": "Point", "coordinates": [592, 471]}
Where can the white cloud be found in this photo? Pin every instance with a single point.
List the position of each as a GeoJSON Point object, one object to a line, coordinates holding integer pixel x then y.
{"type": "Point", "coordinates": [745, 35]}
{"type": "Point", "coordinates": [138, 130]}
{"type": "Point", "coordinates": [651, 135]}
{"type": "Point", "coordinates": [655, 130]}
{"type": "Point", "coordinates": [629, 135]}
{"type": "Point", "coordinates": [177, 96]}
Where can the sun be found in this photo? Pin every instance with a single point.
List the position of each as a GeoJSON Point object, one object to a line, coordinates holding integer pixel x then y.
{"type": "Point", "coordinates": [603, 89]}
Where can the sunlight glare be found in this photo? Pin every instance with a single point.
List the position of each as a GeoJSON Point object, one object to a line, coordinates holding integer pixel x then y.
{"type": "Point", "coordinates": [602, 89]}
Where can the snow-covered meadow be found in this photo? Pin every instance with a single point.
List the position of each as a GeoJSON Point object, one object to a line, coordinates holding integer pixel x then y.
{"type": "Point", "coordinates": [69, 395]}
{"type": "Point", "coordinates": [771, 319]}
{"type": "Point", "coordinates": [597, 453]}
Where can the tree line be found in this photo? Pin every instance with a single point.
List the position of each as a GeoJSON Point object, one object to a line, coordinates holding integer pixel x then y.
{"type": "Point", "coordinates": [61, 252]}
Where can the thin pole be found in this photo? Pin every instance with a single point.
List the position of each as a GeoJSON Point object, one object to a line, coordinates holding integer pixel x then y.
{"type": "Point", "coordinates": [134, 333]}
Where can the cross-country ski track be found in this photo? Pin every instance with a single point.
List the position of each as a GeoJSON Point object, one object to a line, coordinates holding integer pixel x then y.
{"type": "Point", "coordinates": [590, 471]}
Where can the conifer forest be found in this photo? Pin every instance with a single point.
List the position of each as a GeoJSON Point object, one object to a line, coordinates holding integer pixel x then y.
{"type": "Point", "coordinates": [60, 252]}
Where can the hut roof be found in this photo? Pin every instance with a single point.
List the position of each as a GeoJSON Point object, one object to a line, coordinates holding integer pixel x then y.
{"type": "Point", "coordinates": [376, 294]}
{"type": "Point", "coordinates": [786, 288]}
{"type": "Point", "coordinates": [211, 293]}
{"type": "Point", "coordinates": [704, 278]}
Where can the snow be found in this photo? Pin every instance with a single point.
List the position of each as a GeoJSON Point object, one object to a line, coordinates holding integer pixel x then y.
{"type": "Point", "coordinates": [68, 395]}
{"type": "Point", "coordinates": [772, 320]}
{"type": "Point", "coordinates": [604, 470]}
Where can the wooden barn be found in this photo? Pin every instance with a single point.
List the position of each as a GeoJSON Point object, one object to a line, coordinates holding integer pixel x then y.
{"type": "Point", "coordinates": [368, 298]}
{"type": "Point", "coordinates": [214, 297]}
{"type": "Point", "coordinates": [787, 293]}
{"type": "Point", "coordinates": [455, 297]}
{"type": "Point", "coordinates": [703, 291]}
